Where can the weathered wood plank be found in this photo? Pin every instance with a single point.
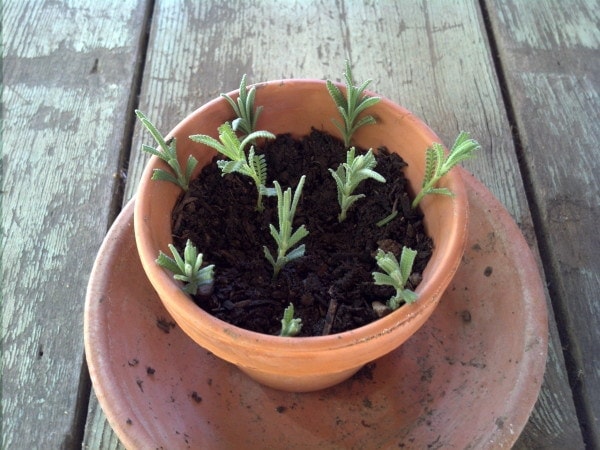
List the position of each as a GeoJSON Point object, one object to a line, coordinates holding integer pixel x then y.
{"type": "Point", "coordinates": [68, 72]}
{"type": "Point", "coordinates": [431, 57]}
{"type": "Point", "coordinates": [550, 51]}
{"type": "Point", "coordinates": [98, 433]}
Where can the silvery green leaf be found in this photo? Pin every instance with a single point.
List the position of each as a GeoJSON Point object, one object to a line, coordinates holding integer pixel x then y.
{"type": "Point", "coordinates": [237, 124]}
{"type": "Point", "coordinates": [191, 288]}
{"type": "Point", "coordinates": [269, 192]}
{"type": "Point", "coordinates": [362, 87]}
{"type": "Point", "coordinates": [174, 165]}
{"type": "Point", "coordinates": [298, 252]}
{"type": "Point", "coordinates": [350, 200]}
{"type": "Point", "coordinates": [152, 129]}
{"type": "Point", "coordinates": [197, 264]}
{"type": "Point", "coordinates": [289, 325]}
{"type": "Point", "coordinates": [180, 277]}
{"type": "Point", "coordinates": [396, 275]}
{"type": "Point", "coordinates": [190, 166]}
{"type": "Point", "coordinates": [208, 141]}
{"type": "Point", "coordinates": [335, 93]}
{"type": "Point", "coordinates": [462, 150]}
{"type": "Point", "coordinates": [366, 120]}
{"type": "Point", "coordinates": [439, 153]}
{"type": "Point", "coordinates": [409, 296]}
{"type": "Point", "coordinates": [339, 126]}
{"type": "Point", "coordinates": [260, 134]}
{"type": "Point", "coordinates": [233, 104]}
{"type": "Point", "coordinates": [346, 116]}
{"type": "Point", "coordinates": [206, 274]}
{"type": "Point", "coordinates": [188, 269]}
{"type": "Point", "coordinates": [394, 302]}
{"type": "Point", "coordinates": [256, 115]}
{"type": "Point", "coordinates": [178, 259]}
{"type": "Point", "coordinates": [297, 236]}
{"type": "Point", "coordinates": [276, 235]}
{"type": "Point", "coordinates": [430, 161]}
{"type": "Point", "coordinates": [167, 262]}
{"type": "Point", "coordinates": [407, 259]}
{"type": "Point", "coordinates": [229, 166]}
{"type": "Point", "coordinates": [268, 255]}
{"type": "Point", "coordinates": [161, 175]}
{"type": "Point", "coordinates": [440, 191]}
{"type": "Point", "coordinates": [285, 239]}
{"type": "Point", "coordinates": [367, 102]}
{"type": "Point", "coordinates": [381, 279]}
{"type": "Point", "coordinates": [462, 137]}
{"type": "Point", "coordinates": [387, 261]}
{"type": "Point", "coordinates": [152, 151]}
{"type": "Point", "coordinates": [368, 173]}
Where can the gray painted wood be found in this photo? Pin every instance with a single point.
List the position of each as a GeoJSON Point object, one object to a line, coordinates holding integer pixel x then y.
{"type": "Point", "coordinates": [68, 73]}
{"type": "Point", "coordinates": [550, 54]}
{"type": "Point", "coordinates": [98, 433]}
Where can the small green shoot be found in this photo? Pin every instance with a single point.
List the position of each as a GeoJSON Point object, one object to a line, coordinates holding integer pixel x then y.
{"type": "Point", "coordinates": [247, 116]}
{"type": "Point", "coordinates": [351, 105]}
{"type": "Point", "coordinates": [289, 325]}
{"type": "Point", "coordinates": [387, 219]}
{"type": "Point", "coordinates": [168, 153]}
{"type": "Point", "coordinates": [437, 164]}
{"type": "Point", "coordinates": [349, 175]}
{"type": "Point", "coordinates": [391, 216]}
{"type": "Point", "coordinates": [396, 275]}
{"type": "Point", "coordinates": [285, 239]}
{"type": "Point", "coordinates": [254, 166]}
{"type": "Point", "coordinates": [187, 269]}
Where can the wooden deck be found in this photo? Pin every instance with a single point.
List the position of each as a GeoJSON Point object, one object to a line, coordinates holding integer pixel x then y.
{"type": "Point", "coordinates": [523, 76]}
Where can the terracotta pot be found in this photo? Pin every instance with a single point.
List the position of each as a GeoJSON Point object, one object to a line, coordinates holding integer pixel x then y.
{"type": "Point", "coordinates": [309, 363]}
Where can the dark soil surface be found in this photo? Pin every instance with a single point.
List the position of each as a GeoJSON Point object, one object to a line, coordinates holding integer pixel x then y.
{"type": "Point", "coordinates": [331, 287]}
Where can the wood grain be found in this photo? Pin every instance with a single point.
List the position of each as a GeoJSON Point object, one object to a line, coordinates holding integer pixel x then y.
{"type": "Point", "coordinates": [98, 432]}
{"type": "Point", "coordinates": [68, 72]}
{"type": "Point", "coordinates": [551, 58]}
{"type": "Point", "coordinates": [432, 57]}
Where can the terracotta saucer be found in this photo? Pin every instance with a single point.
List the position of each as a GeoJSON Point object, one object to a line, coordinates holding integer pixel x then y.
{"type": "Point", "coordinates": [468, 379]}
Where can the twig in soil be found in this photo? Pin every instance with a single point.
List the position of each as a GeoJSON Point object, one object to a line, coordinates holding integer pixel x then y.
{"type": "Point", "coordinates": [330, 316]}
{"type": "Point", "coordinates": [229, 305]}
{"type": "Point", "coordinates": [177, 211]}
{"type": "Point", "coordinates": [407, 210]}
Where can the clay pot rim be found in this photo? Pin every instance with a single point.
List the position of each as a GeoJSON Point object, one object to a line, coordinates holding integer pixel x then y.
{"type": "Point", "coordinates": [232, 334]}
